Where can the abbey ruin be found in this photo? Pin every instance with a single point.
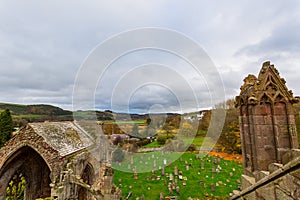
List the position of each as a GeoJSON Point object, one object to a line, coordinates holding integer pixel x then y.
{"type": "Point", "coordinates": [271, 159]}
{"type": "Point", "coordinates": [58, 160]}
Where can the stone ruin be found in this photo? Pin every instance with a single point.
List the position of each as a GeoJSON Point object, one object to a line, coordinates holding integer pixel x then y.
{"type": "Point", "coordinates": [271, 159]}
{"type": "Point", "coordinates": [58, 160]}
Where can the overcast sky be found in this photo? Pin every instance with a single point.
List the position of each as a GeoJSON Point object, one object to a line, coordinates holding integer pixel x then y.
{"type": "Point", "coordinates": [43, 44]}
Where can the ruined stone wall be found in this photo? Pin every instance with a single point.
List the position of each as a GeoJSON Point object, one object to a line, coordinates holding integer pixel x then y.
{"type": "Point", "coordinates": [279, 182]}
{"type": "Point", "coordinates": [76, 175]}
{"type": "Point", "coordinates": [269, 138]}
{"type": "Point", "coordinates": [28, 137]}
{"type": "Point", "coordinates": [266, 116]}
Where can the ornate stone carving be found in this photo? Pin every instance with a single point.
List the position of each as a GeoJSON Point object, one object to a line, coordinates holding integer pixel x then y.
{"type": "Point", "coordinates": [266, 119]}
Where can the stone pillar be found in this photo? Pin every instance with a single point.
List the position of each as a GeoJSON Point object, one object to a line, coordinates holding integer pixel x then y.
{"type": "Point", "coordinates": [266, 117]}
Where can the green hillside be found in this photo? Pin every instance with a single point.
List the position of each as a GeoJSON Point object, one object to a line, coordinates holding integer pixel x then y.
{"type": "Point", "coordinates": [36, 113]}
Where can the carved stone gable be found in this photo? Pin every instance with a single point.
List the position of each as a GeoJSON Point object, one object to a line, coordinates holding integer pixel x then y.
{"type": "Point", "coordinates": [267, 121]}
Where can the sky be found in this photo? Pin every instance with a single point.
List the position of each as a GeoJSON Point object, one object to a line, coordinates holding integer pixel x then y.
{"type": "Point", "coordinates": [47, 48]}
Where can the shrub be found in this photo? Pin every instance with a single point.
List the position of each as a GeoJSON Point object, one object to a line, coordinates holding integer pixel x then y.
{"type": "Point", "coordinates": [161, 139]}
{"type": "Point", "coordinates": [192, 147]}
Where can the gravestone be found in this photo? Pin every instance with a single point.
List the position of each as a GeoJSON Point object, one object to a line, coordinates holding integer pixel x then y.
{"type": "Point", "coordinates": [162, 171]}
{"type": "Point", "coordinates": [202, 165]}
{"type": "Point", "coordinates": [175, 171]}
{"type": "Point", "coordinates": [161, 196]}
{"type": "Point", "coordinates": [177, 190]}
{"type": "Point", "coordinates": [187, 168]}
{"type": "Point", "coordinates": [180, 175]}
{"type": "Point", "coordinates": [165, 162]}
{"type": "Point", "coordinates": [135, 176]}
{"type": "Point", "coordinates": [201, 183]}
{"type": "Point", "coordinates": [171, 178]}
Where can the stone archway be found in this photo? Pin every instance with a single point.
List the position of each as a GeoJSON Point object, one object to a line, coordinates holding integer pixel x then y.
{"type": "Point", "coordinates": [33, 167]}
{"type": "Point", "coordinates": [87, 177]}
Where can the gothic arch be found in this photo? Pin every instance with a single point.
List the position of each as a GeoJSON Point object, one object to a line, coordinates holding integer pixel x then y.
{"type": "Point", "coordinates": [29, 162]}
{"type": "Point", "coordinates": [87, 177]}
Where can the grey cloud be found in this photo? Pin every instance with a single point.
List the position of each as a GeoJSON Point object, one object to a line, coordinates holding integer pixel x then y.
{"type": "Point", "coordinates": [283, 39]}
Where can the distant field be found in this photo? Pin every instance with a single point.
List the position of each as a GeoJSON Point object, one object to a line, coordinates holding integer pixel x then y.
{"type": "Point", "coordinates": [126, 122]}
{"type": "Point", "coordinates": [28, 116]}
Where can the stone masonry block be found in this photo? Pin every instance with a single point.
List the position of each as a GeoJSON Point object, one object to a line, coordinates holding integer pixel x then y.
{"type": "Point", "coordinates": [280, 194]}
{"type": "Point", "coordinates": [266, 192]}
{"type": "Point", "coordinates": [274, 166]}
{"type": "Point", "coordinates": [260, 175]}
{"type": "Point", "coordinates": [247, 181]}
{"type": "Point", "coordinates": [290, 155]}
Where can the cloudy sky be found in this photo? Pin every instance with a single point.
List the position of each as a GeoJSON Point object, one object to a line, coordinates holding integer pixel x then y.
{"type": "Point", "coordinates": [46, 48]}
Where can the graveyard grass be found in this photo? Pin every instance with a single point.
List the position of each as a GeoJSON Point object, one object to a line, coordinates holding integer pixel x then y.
{"type": "Point", "coordinates": [197, 141]}
{"type": "Point", "coordinates": [151, 189]}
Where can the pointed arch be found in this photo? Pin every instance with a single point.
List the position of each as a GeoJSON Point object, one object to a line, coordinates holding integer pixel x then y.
{"type": "Point", "coordinates": [87, 177]}
{"type": "Point", "coordinates": [33, 167]}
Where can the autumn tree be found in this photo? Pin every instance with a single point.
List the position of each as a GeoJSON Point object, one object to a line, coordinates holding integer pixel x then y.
{"type": "Point", "coordinates": [230, 136]}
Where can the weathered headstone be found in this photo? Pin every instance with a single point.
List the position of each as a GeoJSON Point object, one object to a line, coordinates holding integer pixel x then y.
{"type": "Point", "coordinates": [135, 176]}
{"type": "Point", "coordinates": [175, 171]}
{"type": "Point", "coordinates": [177, 190]}
{"type": "Point", "coordinates": [171, 178]}
{"type": "Point", "coordinates": [170, 190]}
{"type": "Point", "coordinates": [161, 196]}
{"type": "Point", "coordinates": [165, 162]}
{"type": "Point", "coordinates": [162, 171]}
{"type": "Point", "coordinates": [153, 175]}
{"type": "Point", "coordinates": [180, 175]}
{"type": "Point", "coordinates": [201, 183]}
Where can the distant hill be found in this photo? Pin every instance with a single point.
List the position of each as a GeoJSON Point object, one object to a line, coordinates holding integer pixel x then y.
{"type": "Point", "coordinates": [36, 113]}
{"type": "Point", "coordinates": [23, 114]}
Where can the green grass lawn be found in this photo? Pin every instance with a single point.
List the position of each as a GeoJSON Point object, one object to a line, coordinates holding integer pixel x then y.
{"type": "Point", "coordinates": [152, 145]}
{"type": "Point", "coordinates": [223, 183]}
{"type": "Point", "coordinates": [197, 141]}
